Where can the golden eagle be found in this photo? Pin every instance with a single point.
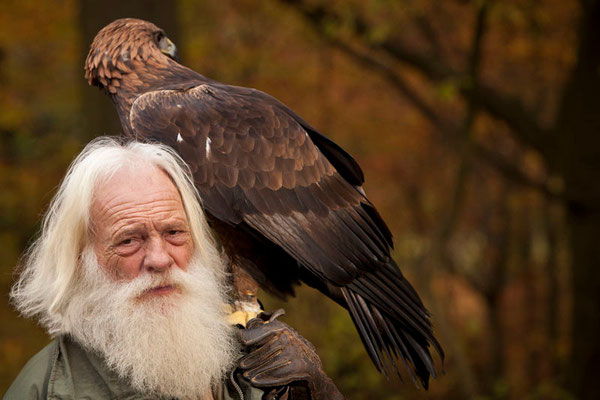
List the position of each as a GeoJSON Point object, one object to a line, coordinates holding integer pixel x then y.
{"type": "Point", "coordinates": [285, 201]}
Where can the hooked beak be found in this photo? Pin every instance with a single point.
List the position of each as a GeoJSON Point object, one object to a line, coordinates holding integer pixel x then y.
{"type": "Point", "coordinates": [170, 50]}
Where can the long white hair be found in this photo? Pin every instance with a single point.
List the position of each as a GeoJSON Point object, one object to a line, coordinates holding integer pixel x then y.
{"type": "Point", "coordinates": [50, 266]}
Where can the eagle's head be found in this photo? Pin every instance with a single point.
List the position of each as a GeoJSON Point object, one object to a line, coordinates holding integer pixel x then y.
{"type": "Point", "coordinates": [123, 48]}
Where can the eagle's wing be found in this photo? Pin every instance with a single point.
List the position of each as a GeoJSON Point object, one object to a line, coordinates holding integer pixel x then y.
{"type": "Point", "coordinates": [254, 163]}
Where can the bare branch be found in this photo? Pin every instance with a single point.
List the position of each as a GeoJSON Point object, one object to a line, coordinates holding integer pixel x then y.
{"type": "Point", "coordinates": [398, 83]}
{"type": "Point", "coordinates": [429, 33]}
{"type": "Point", "coordinates": [513, 112]}
{"type": "Point", "coordinates": [513, 173]}
{"type": "Point", "coordinates": [487, 99]}
{"type": "Point", "coordinates": [507, 108]}
{"type": "Point", "coordinates": [447, 226]}
{"type": "Point", "coordinates": [449, 132]}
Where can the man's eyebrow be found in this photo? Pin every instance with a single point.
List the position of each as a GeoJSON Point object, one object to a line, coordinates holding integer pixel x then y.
{"type": "Point", "coordinates": [128, 230]}
{"type": "Point", "coordinates": [175, 222]}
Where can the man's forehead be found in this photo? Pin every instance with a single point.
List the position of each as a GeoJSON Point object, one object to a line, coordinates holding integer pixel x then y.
{"type": "Point", "coordinates": [136, 190]}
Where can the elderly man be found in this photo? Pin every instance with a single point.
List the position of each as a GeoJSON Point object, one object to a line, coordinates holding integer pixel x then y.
{"type": "Point", "coordinates": [127, 279]}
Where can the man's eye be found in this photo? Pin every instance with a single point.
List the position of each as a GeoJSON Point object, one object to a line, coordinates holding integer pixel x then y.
{"type": "Point", "coordinates": [176, 236]}
{"type": "Point", "coordinates": [126, 242]}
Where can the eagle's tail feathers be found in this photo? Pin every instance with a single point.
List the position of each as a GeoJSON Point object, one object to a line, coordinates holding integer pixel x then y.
{"type": "Point", "coordinates": [363, 328]}
{"type": "Point", "coordinates": [389, 334]}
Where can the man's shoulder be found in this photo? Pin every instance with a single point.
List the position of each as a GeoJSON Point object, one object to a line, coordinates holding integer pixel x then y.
{"type": "Point", "coordinates": [32, 381]}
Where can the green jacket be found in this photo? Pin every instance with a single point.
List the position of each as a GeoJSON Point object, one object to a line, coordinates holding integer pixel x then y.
{"type": "Point", "coordinates": [64, 370]}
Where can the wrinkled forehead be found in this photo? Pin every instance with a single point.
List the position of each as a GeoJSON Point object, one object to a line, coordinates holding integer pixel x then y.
{"type": "Point", "coordinates": [136, 188]}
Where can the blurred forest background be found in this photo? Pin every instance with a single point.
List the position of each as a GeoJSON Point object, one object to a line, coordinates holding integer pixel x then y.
{"type": "Point", "coordinates": [476, 122]}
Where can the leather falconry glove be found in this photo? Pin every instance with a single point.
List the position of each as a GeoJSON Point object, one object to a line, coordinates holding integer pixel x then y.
{"type": "Point", "coordinates": [280, 358]}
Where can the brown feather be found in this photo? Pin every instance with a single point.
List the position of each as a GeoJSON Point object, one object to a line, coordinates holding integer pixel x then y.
{"type": "Point", "coordinates": [285, 200]}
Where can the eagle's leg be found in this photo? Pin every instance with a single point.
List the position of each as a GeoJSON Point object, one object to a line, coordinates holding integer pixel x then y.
{"type": "Point", "coordinates": [243, 288]}
{"type": "Point", "coordinates": [244, 296]}
{"type": "Point", "coordinates": [245, 291]}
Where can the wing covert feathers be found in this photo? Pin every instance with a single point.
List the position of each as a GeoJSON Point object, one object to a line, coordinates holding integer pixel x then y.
{"type": "Point", "coordinates": [260, 168]}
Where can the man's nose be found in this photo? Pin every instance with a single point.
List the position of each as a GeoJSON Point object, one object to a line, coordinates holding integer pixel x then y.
{"type": "Point", "coordinates": [157, 258]}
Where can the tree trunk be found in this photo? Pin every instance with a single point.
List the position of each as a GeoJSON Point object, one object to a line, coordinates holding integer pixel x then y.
{"type": "Point", "coordinates": [585, 352]}
{"type": "Point", "coordinates": [578, 139]}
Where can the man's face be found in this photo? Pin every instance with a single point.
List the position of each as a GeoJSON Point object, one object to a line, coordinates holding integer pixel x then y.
{"type": "Point", "coordinates": [145, 294]}
{"type": "Point", "coordinates": [140, 225]}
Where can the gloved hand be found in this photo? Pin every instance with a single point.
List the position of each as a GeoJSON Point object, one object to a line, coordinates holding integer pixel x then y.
{"type": "Point", "coordinates": [281, 359]}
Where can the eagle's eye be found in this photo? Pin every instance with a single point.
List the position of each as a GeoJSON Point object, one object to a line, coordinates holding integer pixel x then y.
{"type": "Point", "coordinates": [158, 37]}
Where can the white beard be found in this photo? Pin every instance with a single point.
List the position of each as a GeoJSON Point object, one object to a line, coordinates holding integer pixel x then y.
{"type": "Point", "coordinates": [175, 345]}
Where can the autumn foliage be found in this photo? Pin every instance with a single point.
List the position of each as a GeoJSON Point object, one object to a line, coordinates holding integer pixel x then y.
{"type": "Point", "coordinates": [476, 125]}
